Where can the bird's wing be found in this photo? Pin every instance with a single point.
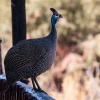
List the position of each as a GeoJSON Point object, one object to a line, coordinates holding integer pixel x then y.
{"type": "Point", "coordinates": [24, 54]}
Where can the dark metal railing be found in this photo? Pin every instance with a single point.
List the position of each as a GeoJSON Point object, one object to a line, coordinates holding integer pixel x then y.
{"type": "Point", "coordinates": [15, 92]}
{"type": "Point", "coordinates": [20, 91]}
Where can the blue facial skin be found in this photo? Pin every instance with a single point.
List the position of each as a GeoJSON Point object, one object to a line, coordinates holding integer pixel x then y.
{"type": "Point", "coordinates": [54, 19]}
{"type": "Point", "coordinates": [56, 16]}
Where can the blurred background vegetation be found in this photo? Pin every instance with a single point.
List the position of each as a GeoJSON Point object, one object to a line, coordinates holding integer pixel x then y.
{"type": "Point", "coordinates": [75, 74]}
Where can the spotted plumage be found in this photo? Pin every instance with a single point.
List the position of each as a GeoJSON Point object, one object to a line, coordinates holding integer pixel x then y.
{"type": "Point", "coordinates": [30, 58]}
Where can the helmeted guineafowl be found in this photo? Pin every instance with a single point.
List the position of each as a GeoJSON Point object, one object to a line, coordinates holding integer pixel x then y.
{"type": "Point", "coordinates": [30, 58]}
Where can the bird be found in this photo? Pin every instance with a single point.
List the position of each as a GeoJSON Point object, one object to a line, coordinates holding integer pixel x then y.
{"type": "Point", "coordinates": [31, 57]}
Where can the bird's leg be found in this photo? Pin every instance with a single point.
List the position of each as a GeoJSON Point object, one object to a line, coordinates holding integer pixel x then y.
{"type": "Point", "coordinates": [38, 87]}
{"type": "Point", "coordinates": [34, 86]}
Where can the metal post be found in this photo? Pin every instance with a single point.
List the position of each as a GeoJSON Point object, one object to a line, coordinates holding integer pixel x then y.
{"type": "Point", "coordinates": [18, 20]}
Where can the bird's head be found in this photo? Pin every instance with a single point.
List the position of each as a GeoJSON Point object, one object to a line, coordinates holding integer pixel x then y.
{"type": "Point", "coordinates": [55, 17]}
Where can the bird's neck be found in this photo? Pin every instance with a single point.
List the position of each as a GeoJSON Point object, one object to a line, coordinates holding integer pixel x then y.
{"type": "Point", "coordinates": [53, 33]}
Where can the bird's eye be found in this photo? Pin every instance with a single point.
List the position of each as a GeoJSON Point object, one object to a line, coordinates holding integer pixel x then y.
{"type": "Point", "coordinates": [56, 16]}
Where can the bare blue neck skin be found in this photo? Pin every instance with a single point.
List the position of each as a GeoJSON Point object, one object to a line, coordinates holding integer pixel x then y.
{"type": "Point", "coordinates": [53, 33]}
{"type": "Point", "coordinates": [53, 21]}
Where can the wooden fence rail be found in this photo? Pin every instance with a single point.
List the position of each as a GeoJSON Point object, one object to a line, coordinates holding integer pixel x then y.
{"type": "Point", "coordinates": [20, 91]}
